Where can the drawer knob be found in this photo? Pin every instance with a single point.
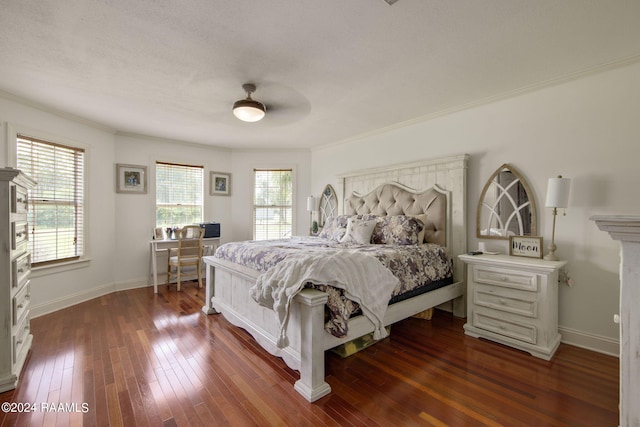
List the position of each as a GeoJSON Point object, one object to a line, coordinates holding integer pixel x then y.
{"type": "Point", "coordinates": [504, 278]}
{"type": "Point", "coordinates": [19, 342]}
{"type": "Point", "coordinates": [502, 302]}
{"type": "Point", "coordinates": [502, 326]}
{"type": "Point", "coordinates": [20, 305]}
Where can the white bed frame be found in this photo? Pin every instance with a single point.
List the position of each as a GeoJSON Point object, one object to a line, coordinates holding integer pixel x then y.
{"type": "Point", "coordinates": [228, 284]}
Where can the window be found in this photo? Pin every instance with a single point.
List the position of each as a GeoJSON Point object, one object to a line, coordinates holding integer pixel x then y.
{"type": "Point", "coordinates": [178, 194]}
{"type": "Point", "coordinates": [272, 206]}
{"type": "Point", "coordinates": [56, 213]}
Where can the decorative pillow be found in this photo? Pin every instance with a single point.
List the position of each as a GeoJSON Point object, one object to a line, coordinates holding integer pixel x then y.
{"type": "Point", "coordinates": [423, 219]}
{"type": "Point", "coordinates": [359, 231]}
{"type": "Point", "coordinates": [397, 230]}
{"type": "Point", "coordinates": [335, 227]}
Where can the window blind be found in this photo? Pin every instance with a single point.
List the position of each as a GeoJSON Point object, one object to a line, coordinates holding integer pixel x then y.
{"type": "Point", "coordinates": [56, 204]}
{"type": "Point", "coordinates": [273, 207]}
{"type": "Point", "coordinates": [179, 195]}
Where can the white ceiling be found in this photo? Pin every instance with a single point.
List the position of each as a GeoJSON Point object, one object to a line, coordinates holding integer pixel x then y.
{"type": "Point", "coordinates": [328, 70]}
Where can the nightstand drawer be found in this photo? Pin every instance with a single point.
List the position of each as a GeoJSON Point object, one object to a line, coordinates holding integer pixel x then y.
{"type": "Point", "coordinates": [507, 300]}
{"type": "Point", "coordinates": [505, 277]}
{"type": "Point", "coordinates": [20, 269]}
{"type": "Point", "coordinates": [505, 326]}
{"type": "Point", "coordinates": [21, 302]}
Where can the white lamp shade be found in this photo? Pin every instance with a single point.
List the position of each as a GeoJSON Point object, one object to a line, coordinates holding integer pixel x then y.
{"type": "Point", "coordinates": [311, 203]}
{"type": "Point", "coordinates": [558, 192]}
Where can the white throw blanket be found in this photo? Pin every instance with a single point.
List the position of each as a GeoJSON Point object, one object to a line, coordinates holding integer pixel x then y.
{"type": "Point", "coordinates": [364, 279]}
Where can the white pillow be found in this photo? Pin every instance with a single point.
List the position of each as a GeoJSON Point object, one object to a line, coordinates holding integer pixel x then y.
{"type": "Point", "coordinates": [359, 231]}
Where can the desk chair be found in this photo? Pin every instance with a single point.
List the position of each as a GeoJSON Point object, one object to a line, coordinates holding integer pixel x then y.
{"type": "Point", "coordinates": [187, 254]}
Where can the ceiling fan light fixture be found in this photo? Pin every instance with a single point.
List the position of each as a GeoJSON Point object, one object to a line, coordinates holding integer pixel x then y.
{"type": "Point", "coordinates": [249, 110]}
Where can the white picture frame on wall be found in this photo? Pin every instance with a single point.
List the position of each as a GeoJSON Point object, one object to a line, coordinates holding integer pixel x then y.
{"type": "Point", "coordinates": [220, 184]}
{"type": "Point", "coordinates": [131, 179]}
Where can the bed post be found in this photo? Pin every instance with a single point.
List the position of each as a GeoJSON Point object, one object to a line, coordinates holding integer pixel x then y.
{"type": "Point", "coordinates": [209, 287]}
{"type": "Point", "coordinates": [311, 384]}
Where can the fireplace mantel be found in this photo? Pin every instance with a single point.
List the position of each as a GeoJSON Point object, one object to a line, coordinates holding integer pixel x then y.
{"type": "Point", "coordinates": [626, 229]}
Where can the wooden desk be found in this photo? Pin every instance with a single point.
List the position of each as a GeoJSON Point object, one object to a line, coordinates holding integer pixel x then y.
{"type": "Point", "coordinates": [157, 246]}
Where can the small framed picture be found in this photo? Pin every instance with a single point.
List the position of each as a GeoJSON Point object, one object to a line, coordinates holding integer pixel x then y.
{"type": "Point", "coordinates": [526, 246]}
{"type": "Point", "coordinates": [158, 233]}
{"type": "Point", "coordinates": [131, 179]}
{"type": "Point", "coordinates": [220, 184]}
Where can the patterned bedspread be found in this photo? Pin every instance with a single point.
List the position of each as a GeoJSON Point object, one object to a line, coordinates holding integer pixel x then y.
{"type": "Point", "coordinates": [416, 266]}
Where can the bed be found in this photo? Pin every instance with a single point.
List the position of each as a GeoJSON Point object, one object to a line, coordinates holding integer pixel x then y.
{"type": "Point", "coordinates": [433, 187]}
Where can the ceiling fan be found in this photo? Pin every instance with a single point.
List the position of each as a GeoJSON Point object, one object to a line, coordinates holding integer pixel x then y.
{"type": "Point", "coordinates": [284, 105]}
{"type": "Point", "coordinates": [248, 109]}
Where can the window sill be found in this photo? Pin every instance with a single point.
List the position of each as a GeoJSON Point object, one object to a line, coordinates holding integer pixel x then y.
{"type": "Point", "coordinates": [45, 270]}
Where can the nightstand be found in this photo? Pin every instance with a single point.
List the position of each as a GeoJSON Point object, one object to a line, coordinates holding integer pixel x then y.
{"type": "Point", "coordinates": [514, 301]}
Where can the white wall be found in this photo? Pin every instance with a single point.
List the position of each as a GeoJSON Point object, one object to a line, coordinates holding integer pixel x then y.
{"type": "Point", "coordinates": [52, 288]}
{"type": "Point", "coordinates": [135, 213]}
{"type": "Point", "coordinates": [586, 129]}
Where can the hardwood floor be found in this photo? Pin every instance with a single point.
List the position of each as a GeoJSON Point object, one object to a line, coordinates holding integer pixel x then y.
{"type": "Point", "coordinates": [133, 358]}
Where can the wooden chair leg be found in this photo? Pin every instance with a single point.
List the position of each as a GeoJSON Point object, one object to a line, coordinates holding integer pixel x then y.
{"type": "Point", "coordinates": [168, 274]}
{"type": "Point", "coordinates": [178, 268]}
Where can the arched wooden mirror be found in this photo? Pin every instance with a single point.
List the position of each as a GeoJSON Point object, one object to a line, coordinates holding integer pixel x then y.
{"type": "Point", "coordinates": [328, 205]}
{"type": "Point", "coordinates": [506, 207]}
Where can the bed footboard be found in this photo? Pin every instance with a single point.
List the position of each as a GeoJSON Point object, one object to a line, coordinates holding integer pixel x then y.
{"type": "Point", "coordinates": [227, 292]}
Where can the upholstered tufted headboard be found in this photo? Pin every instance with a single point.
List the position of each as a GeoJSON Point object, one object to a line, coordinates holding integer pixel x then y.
{"type": "Point", "coordinates": [435, 186]}
{"type": "Point", "coordinates": [397, 199]}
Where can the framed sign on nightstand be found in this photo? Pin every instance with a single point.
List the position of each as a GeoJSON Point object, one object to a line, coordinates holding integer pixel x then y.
{"type": "Point", "coordinates": [525, 246]}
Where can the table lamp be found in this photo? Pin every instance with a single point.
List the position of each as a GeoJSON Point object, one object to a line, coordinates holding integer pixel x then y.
{"type": "Point", "coordinates": [311, 206]}
{"type": "Point", "coordinates": [557, 197]}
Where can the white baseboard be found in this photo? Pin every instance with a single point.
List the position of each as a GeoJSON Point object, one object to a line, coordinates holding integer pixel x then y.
{"type": "Point", "coordinates": [588, 341]}
{"type": "Point", "coordinates": [131, 284]}
{"type": "Point", "coordinates": [79, 297]}
{"type": "Point", "coordinates": [69, 300]}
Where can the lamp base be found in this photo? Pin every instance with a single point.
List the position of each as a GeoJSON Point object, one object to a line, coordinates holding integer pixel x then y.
{"type": "Point", "coordinates": [551, 255]}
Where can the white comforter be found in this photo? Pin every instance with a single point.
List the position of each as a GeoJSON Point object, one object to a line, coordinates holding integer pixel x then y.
{"type": "Point", "coordinates": [364, 279]}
